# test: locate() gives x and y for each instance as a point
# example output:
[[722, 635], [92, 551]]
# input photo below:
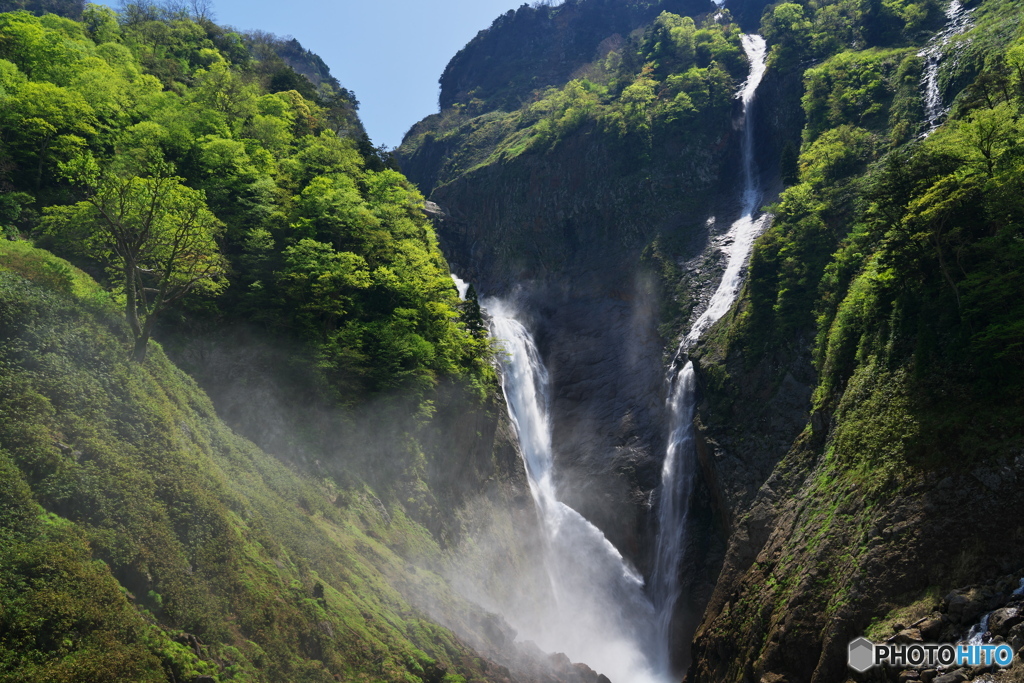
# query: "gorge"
[[779, 534], [600, 611], [684, 342]]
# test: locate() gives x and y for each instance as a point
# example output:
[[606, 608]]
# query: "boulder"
[[931, 628], [1016, 637], [906, 636], [1002, 620], [965, 605], [975, 671]]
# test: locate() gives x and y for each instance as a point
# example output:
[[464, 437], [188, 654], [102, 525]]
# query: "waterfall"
[[599, 613], [748, 226], [958, 20], [679, 467], [590, 603], [460, 285]]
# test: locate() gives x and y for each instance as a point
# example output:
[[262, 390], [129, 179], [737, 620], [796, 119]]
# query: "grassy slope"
[[132, 515]]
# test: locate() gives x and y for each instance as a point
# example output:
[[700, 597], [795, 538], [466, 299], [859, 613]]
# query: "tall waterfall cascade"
[[958, 20], [600, 611], [680, 464]]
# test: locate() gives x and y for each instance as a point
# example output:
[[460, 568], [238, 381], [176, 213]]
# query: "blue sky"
[[389, 52]]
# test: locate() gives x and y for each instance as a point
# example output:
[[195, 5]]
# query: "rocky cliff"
[[586, 234], [859, 445]]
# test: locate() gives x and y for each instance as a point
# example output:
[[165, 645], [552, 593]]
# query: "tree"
[[44, 123], [472, 315], [157, 234]]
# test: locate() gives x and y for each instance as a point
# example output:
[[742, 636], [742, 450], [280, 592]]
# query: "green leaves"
[[190, 168], [323, 279], [984, 137], [854, 88], [157, 234]]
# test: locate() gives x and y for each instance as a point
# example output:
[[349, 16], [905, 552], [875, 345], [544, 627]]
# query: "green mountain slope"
[[206, 187], [307, 231], [887, 276], [143, 540]]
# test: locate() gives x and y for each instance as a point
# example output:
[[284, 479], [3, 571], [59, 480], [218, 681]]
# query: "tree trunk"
[[146, 331], [131, 306], [141, 344]]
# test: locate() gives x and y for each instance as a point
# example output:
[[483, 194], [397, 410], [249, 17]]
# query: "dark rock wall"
[[564, 233], [534, 47]]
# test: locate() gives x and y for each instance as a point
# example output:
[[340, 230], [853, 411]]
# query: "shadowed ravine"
[[600, 612]]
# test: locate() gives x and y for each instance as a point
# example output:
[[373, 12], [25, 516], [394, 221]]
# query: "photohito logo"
[[863, 654]]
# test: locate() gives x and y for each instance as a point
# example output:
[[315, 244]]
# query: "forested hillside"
[[299, 224], [210, 185], [142, 540]]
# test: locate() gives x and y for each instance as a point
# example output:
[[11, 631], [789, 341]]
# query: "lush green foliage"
[[800, 33], [904, 254], [674, 76], [322, 242], [142, 540], [157, 234]]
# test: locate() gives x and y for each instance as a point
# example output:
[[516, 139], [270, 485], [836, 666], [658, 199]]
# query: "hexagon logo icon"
[[862, 655]]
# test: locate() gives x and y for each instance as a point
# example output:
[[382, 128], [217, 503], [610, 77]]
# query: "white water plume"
[[599, 613], [460, 285], [679, 467]]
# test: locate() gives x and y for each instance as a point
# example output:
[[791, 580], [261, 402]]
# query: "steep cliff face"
[[532, 48], [585, 223], [852, 422], [859, 429]]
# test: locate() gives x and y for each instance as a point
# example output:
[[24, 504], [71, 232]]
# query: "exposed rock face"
[[528, 48], [813, 555], [569, 232], [564, 233], [749, 420]]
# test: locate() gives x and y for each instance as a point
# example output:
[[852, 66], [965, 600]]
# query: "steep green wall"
[[880, 297]]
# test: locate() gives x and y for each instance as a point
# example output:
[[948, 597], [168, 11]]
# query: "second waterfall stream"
[[680, 464], [599, 611]]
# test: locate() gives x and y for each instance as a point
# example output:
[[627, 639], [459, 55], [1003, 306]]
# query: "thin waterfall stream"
[[600, 611], [680, 464], [958, 20]]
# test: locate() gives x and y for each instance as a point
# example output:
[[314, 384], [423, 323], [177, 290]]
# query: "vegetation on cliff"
[[670, 74], [205, 180], [142, 540], [895, 255], [897, 249]]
